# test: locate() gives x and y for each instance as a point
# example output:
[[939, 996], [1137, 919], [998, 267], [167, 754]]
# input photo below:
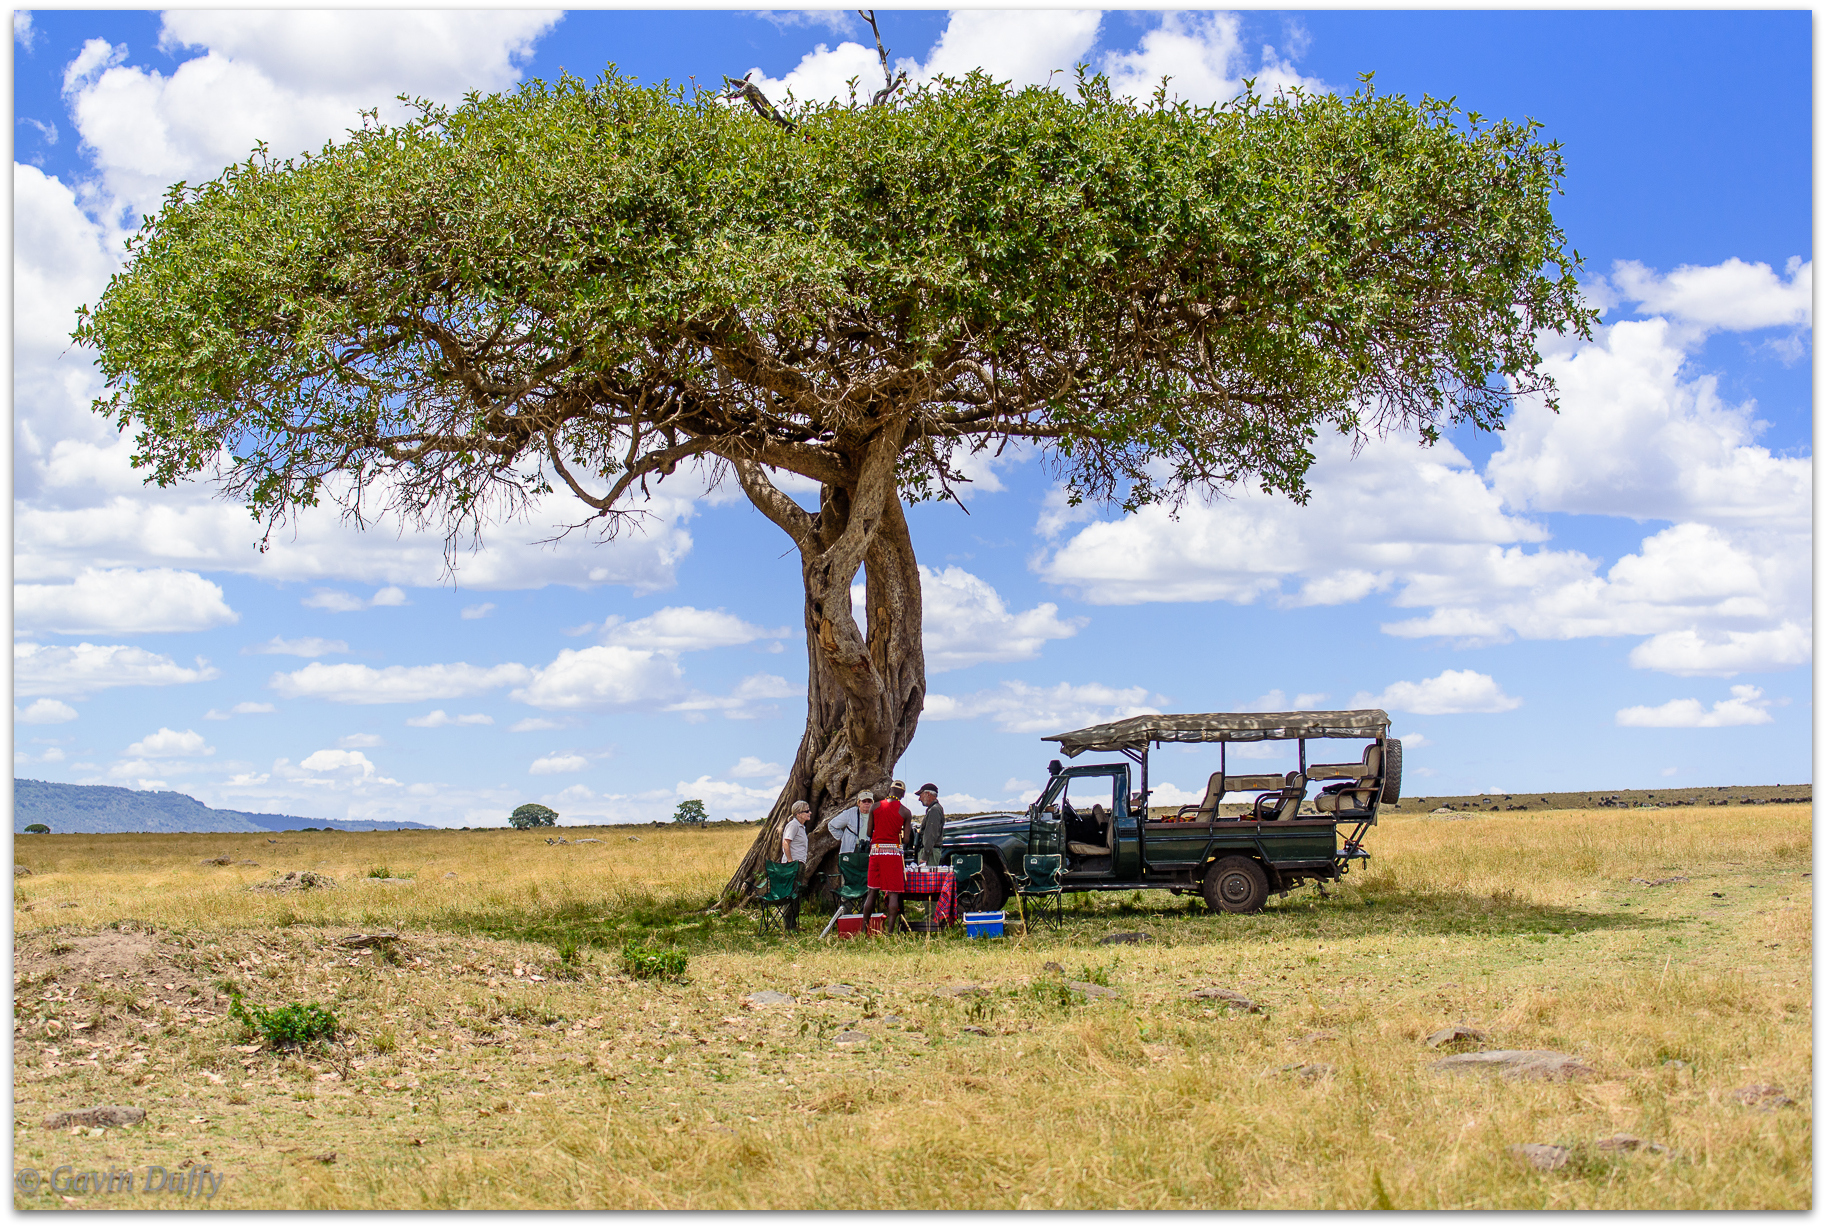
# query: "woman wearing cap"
[[887, 862]]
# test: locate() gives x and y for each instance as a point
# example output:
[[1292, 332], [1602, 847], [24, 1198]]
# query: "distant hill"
[[106, 808]]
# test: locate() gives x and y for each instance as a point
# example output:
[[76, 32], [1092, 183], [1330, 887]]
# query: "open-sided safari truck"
[[1096, 815]]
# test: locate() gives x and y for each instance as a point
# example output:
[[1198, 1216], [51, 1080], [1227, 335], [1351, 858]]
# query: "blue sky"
[[1616, 597]]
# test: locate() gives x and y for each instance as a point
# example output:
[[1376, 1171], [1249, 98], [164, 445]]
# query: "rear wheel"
[[1236, 884], [1391, 772], [990, 892]]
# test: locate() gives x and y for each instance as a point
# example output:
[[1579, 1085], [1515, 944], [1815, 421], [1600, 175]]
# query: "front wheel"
[[1236, 884], [990, 894]]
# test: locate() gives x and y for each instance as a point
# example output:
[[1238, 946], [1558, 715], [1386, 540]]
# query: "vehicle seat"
[[1106, 833], [1285, 802], [1357, 793], [1205, 811]]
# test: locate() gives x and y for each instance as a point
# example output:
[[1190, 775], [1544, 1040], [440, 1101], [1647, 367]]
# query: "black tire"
[[1391, 771], [1236, 884], [990, 894]]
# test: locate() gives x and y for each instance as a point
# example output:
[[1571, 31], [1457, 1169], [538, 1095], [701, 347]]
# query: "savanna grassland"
[[496, 1056]]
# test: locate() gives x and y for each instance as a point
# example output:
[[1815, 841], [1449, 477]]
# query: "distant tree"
[[691, 811], [583, 287], [533, 815], [38, 829]]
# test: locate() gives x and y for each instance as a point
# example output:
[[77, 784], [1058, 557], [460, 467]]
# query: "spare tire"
[[1391, 771]]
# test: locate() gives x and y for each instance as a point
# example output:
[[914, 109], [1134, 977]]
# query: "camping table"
[[939, 882]]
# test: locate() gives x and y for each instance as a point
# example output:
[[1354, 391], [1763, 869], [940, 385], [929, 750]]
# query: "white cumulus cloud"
[[1745, 707], [303, 646], [1454, 691], [437, 719], [245, 708], [290, 77], [552, 765], [751, 768], [360, 741], [396, 684], [122, 601], [478, 611], [1736, 295], [966, 622], [43, 712], [677, 629], [350, 761], [603, 678], [170, 744], [1021, 707], [75, 671]]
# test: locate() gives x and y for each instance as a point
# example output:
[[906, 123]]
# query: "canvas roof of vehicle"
[[1137, 731]]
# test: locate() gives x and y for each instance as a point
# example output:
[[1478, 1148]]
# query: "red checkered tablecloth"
[[937, 881]]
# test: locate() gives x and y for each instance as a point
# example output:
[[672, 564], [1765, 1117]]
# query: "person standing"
[[847, 826], [795, 846], [932, 827], [887, 858]]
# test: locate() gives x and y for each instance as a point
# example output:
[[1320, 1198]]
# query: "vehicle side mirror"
[[1054, 768]]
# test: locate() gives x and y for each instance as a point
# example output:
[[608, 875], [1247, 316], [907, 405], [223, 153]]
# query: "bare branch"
[[742, 87], [894, 82]]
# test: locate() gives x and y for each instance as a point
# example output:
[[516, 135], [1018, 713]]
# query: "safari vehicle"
[[1096, 815]]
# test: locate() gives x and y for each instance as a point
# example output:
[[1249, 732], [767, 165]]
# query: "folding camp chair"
[[968, 869], [1040, 876], [853, 884], [781, 893]]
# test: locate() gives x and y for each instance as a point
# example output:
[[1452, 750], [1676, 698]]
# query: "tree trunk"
[[866, 689]]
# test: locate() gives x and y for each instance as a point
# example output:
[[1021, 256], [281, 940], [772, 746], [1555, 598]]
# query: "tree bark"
[[866, 687]]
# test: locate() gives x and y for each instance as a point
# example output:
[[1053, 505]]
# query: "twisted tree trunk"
[[867, 687]]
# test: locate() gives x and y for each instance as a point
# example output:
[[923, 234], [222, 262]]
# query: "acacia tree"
[[585, 286]]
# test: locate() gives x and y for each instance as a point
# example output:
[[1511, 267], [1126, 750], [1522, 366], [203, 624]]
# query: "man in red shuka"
[[889, 823]]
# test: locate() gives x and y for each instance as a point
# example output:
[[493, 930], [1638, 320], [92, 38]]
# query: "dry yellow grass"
[[468, 1086]]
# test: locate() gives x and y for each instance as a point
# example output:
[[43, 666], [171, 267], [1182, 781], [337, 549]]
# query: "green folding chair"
[[782, 891], [1040, 876], [968, 869], [852, 885]]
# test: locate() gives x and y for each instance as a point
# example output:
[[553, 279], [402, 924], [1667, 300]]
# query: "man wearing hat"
[[888, 824], [932, 829]]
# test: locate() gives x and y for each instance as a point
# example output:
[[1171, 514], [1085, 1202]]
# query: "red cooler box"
[[851, 926]]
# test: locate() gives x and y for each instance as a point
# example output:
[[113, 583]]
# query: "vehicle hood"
[[983, 824]]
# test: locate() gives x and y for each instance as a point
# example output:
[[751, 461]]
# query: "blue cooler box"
[[984, 924]]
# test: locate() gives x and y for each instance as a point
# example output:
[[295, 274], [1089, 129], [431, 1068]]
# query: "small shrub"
[[652, 964], [380, 872], [296, 1025]]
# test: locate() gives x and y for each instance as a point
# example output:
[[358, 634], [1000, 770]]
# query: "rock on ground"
[[1544, 1156], [1110, 940], [1228, 997], [21, 872], [1761, 1095], [851, 1040], [1516, 1064], [298, 880], [1090, 990], [766, 997], [957, 991], [1451, 1035], [1310, 1072], [100, 1115]]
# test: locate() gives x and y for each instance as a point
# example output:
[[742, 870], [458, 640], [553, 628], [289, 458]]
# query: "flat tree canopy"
[[584, 286]]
